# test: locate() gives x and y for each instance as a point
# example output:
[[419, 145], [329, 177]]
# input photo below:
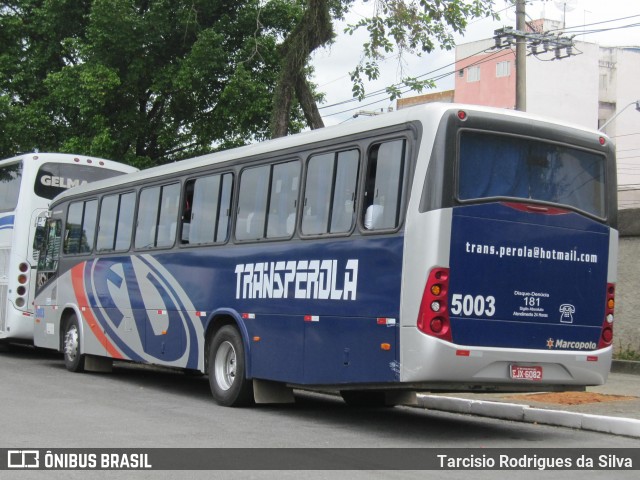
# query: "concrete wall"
[[627, 312], [566, 89]]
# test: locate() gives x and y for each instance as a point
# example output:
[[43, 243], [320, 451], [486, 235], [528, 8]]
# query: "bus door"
[[37, 231], [48, 259]]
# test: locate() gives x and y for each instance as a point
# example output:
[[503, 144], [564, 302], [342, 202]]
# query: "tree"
[[146, 82], [408, 26], [153, 81]]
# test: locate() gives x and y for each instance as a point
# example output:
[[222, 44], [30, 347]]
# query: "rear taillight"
[[606, 337], [23, 281], [433, 318]]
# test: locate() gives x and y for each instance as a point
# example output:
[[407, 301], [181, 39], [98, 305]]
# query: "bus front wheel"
[[73, 359], [227, 370]]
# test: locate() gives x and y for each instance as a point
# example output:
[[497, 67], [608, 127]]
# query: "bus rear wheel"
[[227, 369], [73, 359]]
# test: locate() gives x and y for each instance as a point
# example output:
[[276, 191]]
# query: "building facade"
[[590, 86]]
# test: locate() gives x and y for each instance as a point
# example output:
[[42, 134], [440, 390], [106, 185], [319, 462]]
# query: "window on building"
[[604, 81], [503, 69], [473, 74]]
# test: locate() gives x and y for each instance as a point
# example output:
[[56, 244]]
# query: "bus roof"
[[424, 113], [71, 159]]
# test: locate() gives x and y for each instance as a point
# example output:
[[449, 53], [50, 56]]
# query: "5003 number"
[[473, 305]]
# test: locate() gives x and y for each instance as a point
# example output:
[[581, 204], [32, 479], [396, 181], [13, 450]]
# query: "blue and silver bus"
[[442, 247], [27, 184]]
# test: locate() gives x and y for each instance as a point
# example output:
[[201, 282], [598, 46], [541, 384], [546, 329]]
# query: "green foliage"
[[145, 82], [411, 27], [153, 81]]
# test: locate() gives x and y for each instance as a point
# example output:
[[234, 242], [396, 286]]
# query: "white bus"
[[27, 184], [441, 247]]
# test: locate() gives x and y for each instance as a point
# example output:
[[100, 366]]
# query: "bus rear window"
[[54, 178], [10, 177], [500, 166]]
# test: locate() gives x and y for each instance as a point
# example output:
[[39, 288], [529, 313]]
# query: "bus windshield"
[[492, 165], [10, 178]]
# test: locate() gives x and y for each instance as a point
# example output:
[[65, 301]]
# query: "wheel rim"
[[71, 343], [225, 365]]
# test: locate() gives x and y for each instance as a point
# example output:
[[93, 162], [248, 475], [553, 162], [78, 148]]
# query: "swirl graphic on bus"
[[144, 311]]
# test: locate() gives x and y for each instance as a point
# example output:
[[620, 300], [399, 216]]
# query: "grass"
[[627, 353]]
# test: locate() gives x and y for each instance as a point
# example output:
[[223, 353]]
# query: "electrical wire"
[[401, 85], [493, 56]]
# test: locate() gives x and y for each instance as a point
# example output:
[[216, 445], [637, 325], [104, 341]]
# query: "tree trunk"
[[313, 31], [308, 103]]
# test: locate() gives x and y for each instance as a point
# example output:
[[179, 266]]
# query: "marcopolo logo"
[[561, 344]]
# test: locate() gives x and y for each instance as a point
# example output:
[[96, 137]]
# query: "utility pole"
[[521, 58], [539, 43]]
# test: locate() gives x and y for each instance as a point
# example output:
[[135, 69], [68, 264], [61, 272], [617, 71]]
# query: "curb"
[[522, 413]]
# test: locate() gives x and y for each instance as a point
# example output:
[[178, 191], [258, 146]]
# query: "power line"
[[401, 85], [491, 57], [592, 24], [626, 135]]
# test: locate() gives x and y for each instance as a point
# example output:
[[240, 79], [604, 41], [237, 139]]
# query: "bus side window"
[[383, 186], [267, 203], [107, 223], [206, 209], [158, 216], [346, 180], [80, 227], [147, 217], [168, 219], [317, 194], [89, 226], [281, 221], [330, 190], [124, 227], [116, 222], [254, 189], [73, 228]]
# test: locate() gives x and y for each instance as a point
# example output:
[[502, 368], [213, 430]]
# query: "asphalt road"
[[44, 406]]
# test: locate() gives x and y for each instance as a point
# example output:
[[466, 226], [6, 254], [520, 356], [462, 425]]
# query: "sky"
[[332, 64]]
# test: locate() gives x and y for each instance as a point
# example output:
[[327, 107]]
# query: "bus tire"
[[73, 359], [227, 369]]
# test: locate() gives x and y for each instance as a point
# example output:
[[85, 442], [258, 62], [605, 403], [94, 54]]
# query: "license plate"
[[519, 372]]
